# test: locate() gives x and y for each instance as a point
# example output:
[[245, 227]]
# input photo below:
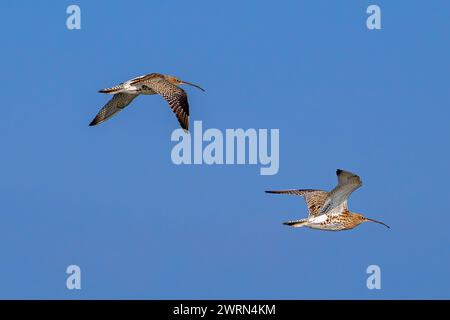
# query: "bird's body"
[[154, 83], [329, 210], [328, 222]]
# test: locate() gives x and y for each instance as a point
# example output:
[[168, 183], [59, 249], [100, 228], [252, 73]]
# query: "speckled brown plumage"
[[116, 104], [175, 97], [314, 198], [328, 210], [154, 83]]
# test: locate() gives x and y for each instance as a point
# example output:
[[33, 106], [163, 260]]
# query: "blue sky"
[[109, 198]]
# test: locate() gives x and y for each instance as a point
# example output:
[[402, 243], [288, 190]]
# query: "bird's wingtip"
[[184, 126]]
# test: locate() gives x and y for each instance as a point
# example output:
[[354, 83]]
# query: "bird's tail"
[[112, 90], [296, 223]]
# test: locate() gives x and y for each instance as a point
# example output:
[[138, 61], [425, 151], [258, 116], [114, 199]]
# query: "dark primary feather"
[[347, 183]]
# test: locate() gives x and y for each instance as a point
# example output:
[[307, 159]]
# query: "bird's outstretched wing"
[[314, 198], [175, 97], [337, 198], [117, 103]]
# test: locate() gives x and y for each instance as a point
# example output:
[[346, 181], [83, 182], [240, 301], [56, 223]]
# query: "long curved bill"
[[194, 85], [384, 224]]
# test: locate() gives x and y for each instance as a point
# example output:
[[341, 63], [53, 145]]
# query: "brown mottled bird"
[[328, 210], [154, 83]]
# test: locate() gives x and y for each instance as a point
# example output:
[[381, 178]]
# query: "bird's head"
[[177, 82], [359, 218]]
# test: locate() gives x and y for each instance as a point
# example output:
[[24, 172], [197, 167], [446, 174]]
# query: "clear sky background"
[[109, 198]]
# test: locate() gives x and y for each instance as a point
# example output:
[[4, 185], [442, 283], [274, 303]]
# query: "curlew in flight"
[[329, 210], [154, 83]]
